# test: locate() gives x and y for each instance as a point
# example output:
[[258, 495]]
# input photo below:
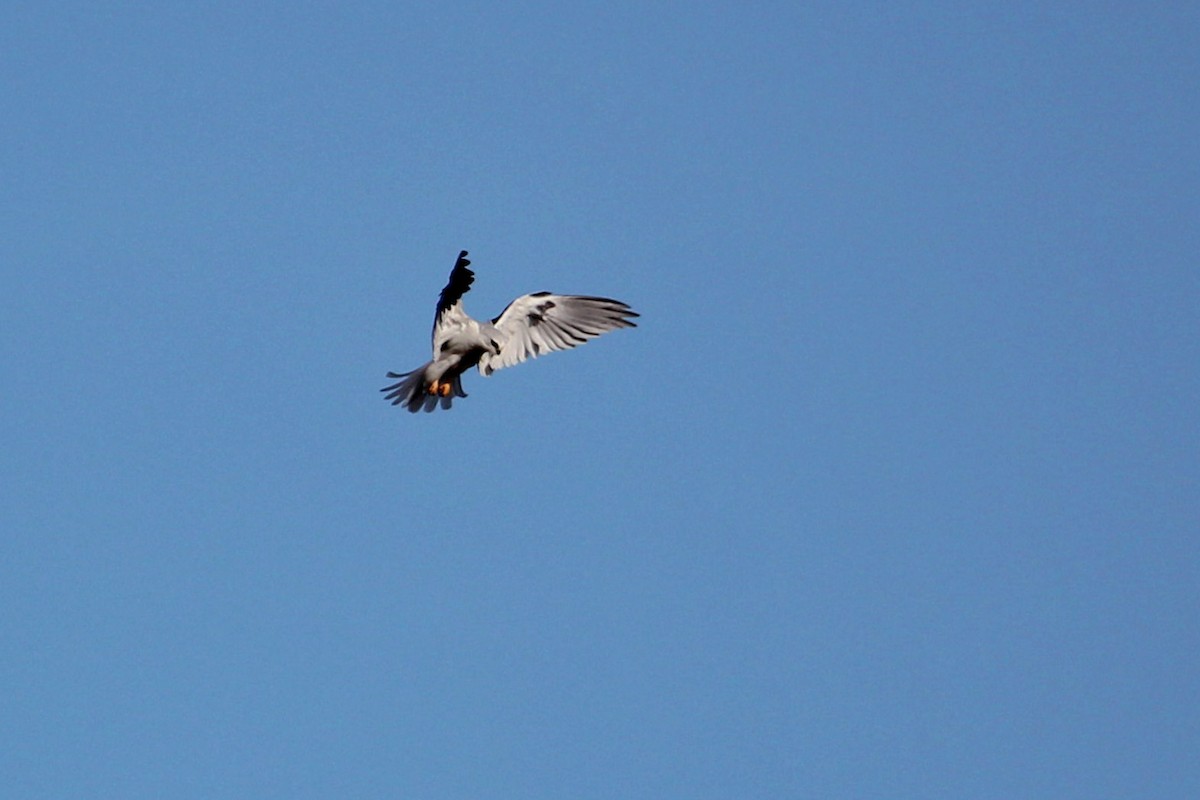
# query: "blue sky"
[[894, 492]]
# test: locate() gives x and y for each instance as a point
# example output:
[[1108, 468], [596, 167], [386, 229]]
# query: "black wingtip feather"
[[461, 278]]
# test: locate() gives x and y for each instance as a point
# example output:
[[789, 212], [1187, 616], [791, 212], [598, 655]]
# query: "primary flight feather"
[[532, 325]]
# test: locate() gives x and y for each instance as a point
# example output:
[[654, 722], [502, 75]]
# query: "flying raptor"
[[532, 325]]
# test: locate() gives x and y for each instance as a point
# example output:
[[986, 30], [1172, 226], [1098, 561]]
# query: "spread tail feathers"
[[413, 390]]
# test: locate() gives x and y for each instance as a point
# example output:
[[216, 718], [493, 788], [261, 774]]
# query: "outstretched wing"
[[536, 324], [450, 300]]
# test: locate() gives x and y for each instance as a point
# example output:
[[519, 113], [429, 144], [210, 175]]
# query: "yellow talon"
[[444, 389], [433, 388]]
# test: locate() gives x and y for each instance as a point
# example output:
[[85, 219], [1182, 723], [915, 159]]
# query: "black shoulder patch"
[[538, 315]]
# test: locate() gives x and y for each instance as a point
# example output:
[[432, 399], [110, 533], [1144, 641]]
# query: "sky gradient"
[[894, 492]]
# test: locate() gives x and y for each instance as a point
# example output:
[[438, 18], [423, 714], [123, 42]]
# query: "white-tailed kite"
[[532, 325]]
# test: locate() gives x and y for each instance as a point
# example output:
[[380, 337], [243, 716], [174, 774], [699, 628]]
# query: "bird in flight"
[[532, 325]]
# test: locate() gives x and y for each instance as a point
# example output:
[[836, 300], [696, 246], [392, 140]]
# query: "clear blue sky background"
[[895, 492]]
